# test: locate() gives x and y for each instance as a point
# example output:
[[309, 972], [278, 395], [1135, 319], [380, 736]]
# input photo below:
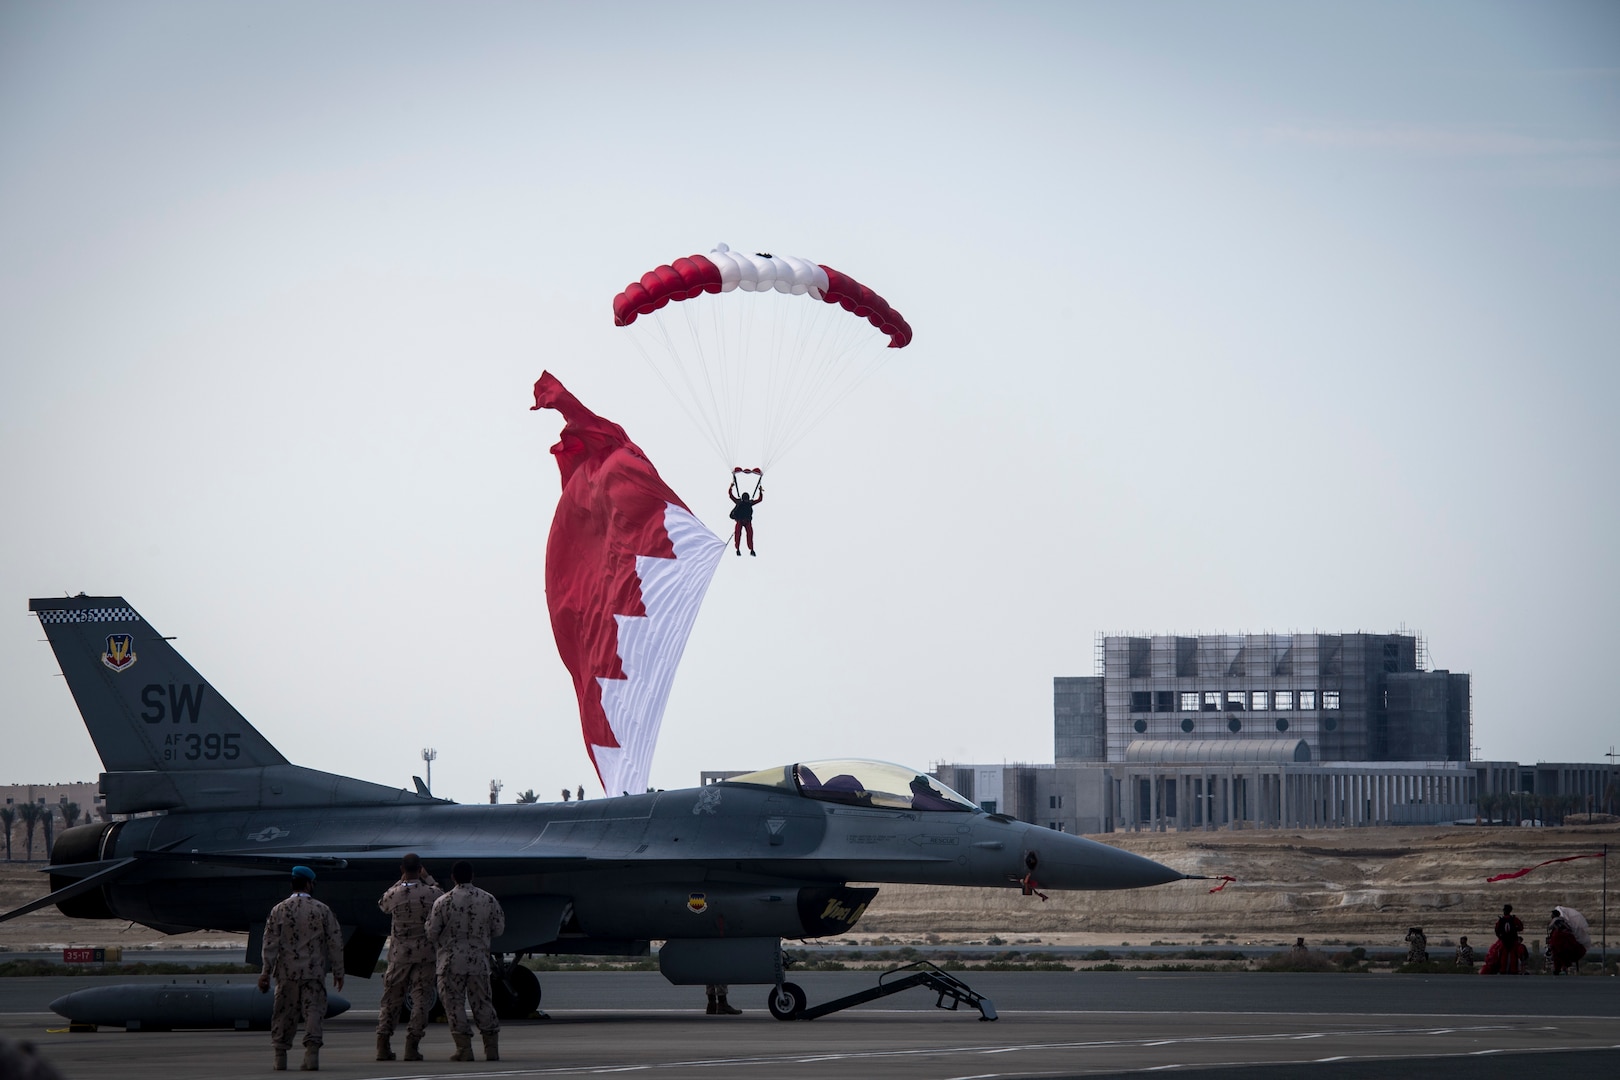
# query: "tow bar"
[[921, 973]]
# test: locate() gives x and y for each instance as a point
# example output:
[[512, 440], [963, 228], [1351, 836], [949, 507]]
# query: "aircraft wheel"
[[515, 991], [786, 1002]]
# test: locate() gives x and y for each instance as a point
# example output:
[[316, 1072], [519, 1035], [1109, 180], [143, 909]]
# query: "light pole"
[[428, 754], [1608, 783], [495, 791]]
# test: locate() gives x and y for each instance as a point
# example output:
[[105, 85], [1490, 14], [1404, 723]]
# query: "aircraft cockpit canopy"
[[860, 783]]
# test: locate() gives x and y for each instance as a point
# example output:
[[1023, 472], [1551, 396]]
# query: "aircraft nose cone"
[[1073, 862]]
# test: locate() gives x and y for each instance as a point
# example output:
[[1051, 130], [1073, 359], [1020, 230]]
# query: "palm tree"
[[528, 797], [29, 812], [8, 818], [70, 813]]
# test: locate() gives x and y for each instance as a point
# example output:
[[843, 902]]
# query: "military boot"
[[463, 1048], [492, 1049], [413, 1048], [312, 1059], [724, 1008], [710, 1010], [280, 1062], [384, 1051]]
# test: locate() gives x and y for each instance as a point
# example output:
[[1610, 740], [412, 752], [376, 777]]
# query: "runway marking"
[[873, 1055]]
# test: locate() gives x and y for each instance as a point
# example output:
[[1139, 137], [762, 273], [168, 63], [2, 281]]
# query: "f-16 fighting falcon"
[[720, 874]]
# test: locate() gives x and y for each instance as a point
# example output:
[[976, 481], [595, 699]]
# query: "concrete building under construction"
[[1233, 730], [1342, 697]]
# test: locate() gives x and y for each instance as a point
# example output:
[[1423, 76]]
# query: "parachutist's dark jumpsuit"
[[742, 512]]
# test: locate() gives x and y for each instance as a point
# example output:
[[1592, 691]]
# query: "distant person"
[[1298, 951], [1507, 954], [742, 512], [1564, 949], [1417, 946], [718, 1005], [461, 926], [579, 796], [1464, 957], [408, 902], [302, 942]]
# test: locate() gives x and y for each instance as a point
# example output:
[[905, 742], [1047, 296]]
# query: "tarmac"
[[1052, 1025]]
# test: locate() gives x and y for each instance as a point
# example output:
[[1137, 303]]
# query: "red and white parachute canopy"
[[763, 362], [627, 565]]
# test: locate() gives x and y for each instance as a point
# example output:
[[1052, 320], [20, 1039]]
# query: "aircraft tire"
[[515, 991], [786, 1002]]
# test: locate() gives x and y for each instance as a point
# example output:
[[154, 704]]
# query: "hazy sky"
[[1229, 317]]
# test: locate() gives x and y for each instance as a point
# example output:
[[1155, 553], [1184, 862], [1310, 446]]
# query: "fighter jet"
[[721, 874]]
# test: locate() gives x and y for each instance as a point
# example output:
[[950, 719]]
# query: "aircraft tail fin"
[[167, 738], [146, 708]]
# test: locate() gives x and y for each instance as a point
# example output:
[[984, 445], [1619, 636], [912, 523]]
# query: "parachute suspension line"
[[697, 421], [798, 370], [700, 357], [746, 320], [690, 403], [778, 381], [842, 353], [855, 343], [737, 375]]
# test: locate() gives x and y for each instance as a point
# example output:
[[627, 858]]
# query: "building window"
[[1282, 725], [1060, 826], [1307, 699], [1260, 701], [1164, 701], [1212, 701], [1285, 699], [1187, 726], [1054, 802], [1141, 701], [1237, 699], [1234, 725], [988, 806], [1330, 699], [1189, 702], [1140, 726]]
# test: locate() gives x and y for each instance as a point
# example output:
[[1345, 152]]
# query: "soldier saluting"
[[302, 942], [408, 901], [461, 925]]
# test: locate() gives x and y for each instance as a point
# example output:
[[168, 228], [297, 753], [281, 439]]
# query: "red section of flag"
[[1539, 865], [611, 512]]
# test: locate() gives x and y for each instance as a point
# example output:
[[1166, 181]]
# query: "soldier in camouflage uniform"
[[410, 957], [461, 925], [302, 942]]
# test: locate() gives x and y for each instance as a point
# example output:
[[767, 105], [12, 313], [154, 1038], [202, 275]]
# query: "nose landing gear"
[[786, 1001]]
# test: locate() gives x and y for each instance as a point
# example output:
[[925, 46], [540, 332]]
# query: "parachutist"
[[742, 512]]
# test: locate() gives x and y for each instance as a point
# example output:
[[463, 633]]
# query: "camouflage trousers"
[[298, 999], [474, 990], [400, 980]]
